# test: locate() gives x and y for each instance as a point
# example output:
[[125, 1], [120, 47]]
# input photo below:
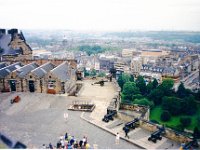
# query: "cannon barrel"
[[132, 122]]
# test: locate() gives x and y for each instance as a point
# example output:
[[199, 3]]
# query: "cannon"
[[100, 82], [191, 145], [156, 135], [15, 100], [131, 125], [109, 116]]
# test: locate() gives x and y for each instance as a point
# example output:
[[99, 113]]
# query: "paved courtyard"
[[38, 118]]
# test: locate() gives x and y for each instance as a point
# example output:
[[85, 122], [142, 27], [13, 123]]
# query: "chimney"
[[2, 31]]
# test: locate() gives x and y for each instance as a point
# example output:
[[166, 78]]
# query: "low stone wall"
[[169, 133]]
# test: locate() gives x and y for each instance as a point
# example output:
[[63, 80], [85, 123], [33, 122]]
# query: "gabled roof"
[[62, 72], [23, 71], [4, 44], [2, 65], [42, 70], [8, 69]]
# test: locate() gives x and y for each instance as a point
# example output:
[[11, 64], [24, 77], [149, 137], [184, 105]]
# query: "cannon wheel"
[[154, 140]]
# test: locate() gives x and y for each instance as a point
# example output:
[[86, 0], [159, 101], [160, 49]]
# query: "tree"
[[165, 116], [131, 78], [120, 81], [129, 89], [93, 72], [137, 96], [149, 87], [156, 95], [155, 83], [86, 73], [123, 79], [143, 101], [140, 83], [182, 92], [167, 86], [172, 104], [101, 74], [189, 106], [185, 121], [196, 133]]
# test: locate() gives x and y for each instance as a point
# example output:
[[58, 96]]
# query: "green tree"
[[131, 78], [172, 104], [137, 96], [167, 86], [189, 106], [182, 92], [196, 133], [122, 79], [101, 74], [129, 89], [156, 95], [140, 83], [143, 101], [93, 72], [165, 116], [149, 87], [185, 121], [155, 83], [86, 73]]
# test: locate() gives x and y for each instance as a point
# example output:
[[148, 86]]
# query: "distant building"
[[128, 52], [136, 66]]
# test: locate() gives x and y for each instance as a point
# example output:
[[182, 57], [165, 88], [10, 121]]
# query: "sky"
[[101, 15]]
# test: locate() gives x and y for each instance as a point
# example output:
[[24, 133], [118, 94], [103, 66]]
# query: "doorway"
[[31, 86], [13, 85]]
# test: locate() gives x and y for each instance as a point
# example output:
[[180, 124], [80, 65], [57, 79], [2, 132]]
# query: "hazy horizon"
[[101, 15]]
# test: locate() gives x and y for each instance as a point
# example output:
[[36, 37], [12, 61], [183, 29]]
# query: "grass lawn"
[[174, 121]]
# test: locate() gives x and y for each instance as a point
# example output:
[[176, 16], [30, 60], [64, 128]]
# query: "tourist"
[[62, 144], [66, 116], [50, 146], [66, 136], [126, 130], [72, 140], [44, 146], [117, 138], [81, 143]]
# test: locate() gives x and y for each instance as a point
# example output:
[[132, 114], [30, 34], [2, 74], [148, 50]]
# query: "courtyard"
[[38, 118]]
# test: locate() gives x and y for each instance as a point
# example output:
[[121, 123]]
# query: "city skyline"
[[110, 15]]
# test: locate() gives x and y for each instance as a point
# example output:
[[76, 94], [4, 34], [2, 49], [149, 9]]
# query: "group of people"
[[69, 142]]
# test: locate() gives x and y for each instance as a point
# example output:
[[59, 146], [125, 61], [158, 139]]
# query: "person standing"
[[117, 138], [66, 116], [126, 130]]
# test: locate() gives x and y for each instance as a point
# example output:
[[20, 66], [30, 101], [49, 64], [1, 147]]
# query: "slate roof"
[[62, 72], [8, 69], [23, 71], [2, 65], [4, 44], [42, 70]]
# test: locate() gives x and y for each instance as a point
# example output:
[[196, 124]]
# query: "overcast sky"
[[101, 14]]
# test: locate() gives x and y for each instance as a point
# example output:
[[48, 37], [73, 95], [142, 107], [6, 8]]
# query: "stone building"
[[5, 76], [13, 46], [136, 66], [60, 79], [19, 80], [37, 75], [14, 51]]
